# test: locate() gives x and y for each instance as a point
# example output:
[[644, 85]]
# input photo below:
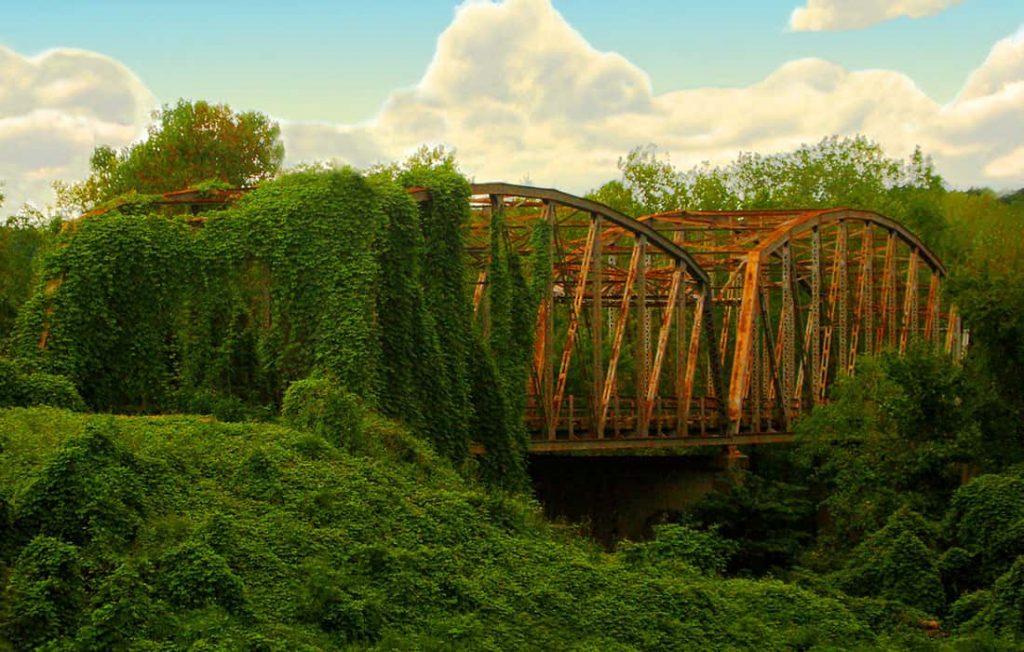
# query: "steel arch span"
[[624, 330], [800, 294]]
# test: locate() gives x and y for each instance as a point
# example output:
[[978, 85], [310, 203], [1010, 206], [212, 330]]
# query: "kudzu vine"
[[328, 273]]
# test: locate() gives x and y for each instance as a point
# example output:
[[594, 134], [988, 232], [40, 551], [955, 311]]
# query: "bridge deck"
[[637, 444]]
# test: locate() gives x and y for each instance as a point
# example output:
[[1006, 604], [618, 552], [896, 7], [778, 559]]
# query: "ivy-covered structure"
[[154, 304]]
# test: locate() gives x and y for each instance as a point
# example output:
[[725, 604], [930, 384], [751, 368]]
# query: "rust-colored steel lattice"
[[624, 339], [799, 294]]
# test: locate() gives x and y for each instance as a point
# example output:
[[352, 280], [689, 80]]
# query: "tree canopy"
[[188, 143], [854, 172]]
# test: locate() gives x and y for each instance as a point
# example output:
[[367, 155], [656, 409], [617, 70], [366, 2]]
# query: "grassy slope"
[[259, 536]]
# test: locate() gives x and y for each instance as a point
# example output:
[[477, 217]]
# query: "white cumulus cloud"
[[1010, 166], [518, 93], [835, 15], [1003, 67], [552, 108], [54, 109]]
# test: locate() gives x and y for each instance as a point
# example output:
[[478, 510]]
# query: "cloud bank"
[[54, 109], [518, 93], [836, 15], [552, 108]]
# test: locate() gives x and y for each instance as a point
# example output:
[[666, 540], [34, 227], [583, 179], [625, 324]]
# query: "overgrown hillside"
[[187, 533], [329, 273]]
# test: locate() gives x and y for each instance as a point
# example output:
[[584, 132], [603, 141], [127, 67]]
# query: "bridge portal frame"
[[630, 306]]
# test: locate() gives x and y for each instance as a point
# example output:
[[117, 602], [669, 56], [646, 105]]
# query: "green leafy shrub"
[[1002, 608], [986, 518], [968, 607], [193, 575], [324, 407], [52, 390], [959, 570], [896, 564], [681, 543], [21, 389], [45, 595], [1006, 611], [122, 612], [770, 520], [92, 490], [895, 434], [328, 602]]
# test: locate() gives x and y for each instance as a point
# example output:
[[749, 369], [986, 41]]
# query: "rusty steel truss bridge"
[[696, 328]]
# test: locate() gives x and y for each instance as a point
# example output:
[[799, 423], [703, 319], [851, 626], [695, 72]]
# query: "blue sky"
[[551, 90], [338, 61]]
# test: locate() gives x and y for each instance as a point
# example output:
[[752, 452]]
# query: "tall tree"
[[188, 143]]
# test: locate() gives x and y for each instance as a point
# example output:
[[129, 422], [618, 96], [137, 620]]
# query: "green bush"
[[328, 602], [91, 490], [52, 390], [680, 543], [45, 595], [959, 569], [122, 612], [770, 520], [21, 389], [1005, 611], [323, 407], [193, 575], [895, 563], [968, 607], [986, 518]]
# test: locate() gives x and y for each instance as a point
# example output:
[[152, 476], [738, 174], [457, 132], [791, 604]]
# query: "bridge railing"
[[576, 419]]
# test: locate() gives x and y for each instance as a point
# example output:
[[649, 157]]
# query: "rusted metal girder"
[[798, 328], [609, 272]]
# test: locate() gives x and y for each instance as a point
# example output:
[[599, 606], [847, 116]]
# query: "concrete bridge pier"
[[623, 496]]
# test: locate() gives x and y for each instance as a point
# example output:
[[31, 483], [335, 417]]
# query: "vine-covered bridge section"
[[694, 328]]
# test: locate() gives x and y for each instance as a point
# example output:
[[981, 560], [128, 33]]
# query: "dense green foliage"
[[895, 434], [323, 407], [188, 143], [21, 243], [251, 535], [21, 388], [116, 283], [316, 273]]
